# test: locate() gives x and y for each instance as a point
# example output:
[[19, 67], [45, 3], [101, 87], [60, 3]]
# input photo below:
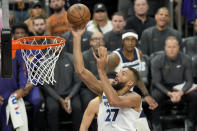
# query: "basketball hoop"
[[40, 54]]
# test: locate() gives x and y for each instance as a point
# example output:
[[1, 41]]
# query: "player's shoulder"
[[94, 103], [114, 56], [134, 95], [149, 30], [157, 55]]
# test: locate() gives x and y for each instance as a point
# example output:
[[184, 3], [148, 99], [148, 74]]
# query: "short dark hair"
[[119, 13], [39, 17], [136, 74], [171, 38], [21, 26], [162, 8], [135, 1]]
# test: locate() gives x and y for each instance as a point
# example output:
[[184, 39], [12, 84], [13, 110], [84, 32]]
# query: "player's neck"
[[123, 91], [128, 54]]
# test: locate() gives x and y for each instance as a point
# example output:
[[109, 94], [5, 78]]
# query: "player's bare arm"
[[128, 100], [1, 100], [86, 76], [90, 113], [113, 62]]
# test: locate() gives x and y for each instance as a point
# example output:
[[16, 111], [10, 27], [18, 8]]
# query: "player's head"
[[39, 25], [171, 47], [126, 78], [129, 40], [96, 41], [162, 17], [57, 5], [118, 22], [19, 30]]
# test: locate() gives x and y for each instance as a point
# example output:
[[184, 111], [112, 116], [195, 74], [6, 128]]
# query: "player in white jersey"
[[117, 92], [124, 62], [116, 118], [130, 56]]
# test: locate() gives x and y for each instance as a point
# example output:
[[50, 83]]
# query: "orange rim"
[[19, 44]]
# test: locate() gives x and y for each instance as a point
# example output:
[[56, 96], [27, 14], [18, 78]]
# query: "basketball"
[[78, 15]]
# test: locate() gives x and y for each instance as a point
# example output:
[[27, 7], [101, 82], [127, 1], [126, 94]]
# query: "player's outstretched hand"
[[102, 58], [77, 32]]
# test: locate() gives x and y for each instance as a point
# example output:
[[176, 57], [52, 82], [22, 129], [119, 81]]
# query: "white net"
[[40, 63]]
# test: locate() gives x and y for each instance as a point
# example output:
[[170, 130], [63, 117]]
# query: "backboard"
[[6, 43]]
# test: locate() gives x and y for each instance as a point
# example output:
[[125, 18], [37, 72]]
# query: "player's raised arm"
[[86, 76]]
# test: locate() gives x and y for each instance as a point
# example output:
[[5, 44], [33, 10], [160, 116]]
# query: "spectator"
[[100, 20], [35, 11], [20, 11], [57, 23], [153, 38], [124, 6], [63, 92], [69, 41], [189, 9], [17, 84], [189, 44], [39, 26], [140, 21], [168, 69], [113, 39], [189, 48]]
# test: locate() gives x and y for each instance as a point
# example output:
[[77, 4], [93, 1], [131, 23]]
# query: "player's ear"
[[130, 83]]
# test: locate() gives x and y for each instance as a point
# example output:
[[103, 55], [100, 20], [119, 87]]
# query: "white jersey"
[[124, 62], [116, 118]]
